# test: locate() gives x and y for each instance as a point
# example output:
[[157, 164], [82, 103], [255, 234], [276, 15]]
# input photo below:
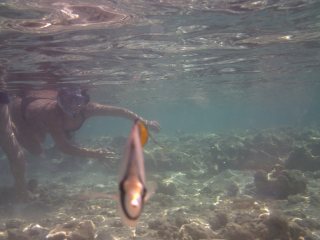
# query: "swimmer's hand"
[[153, 125]]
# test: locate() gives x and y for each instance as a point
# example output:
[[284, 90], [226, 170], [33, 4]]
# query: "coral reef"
[[243, 185]]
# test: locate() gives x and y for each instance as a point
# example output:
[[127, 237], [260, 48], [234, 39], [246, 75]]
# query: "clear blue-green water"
[[197, 67], [194, 65]]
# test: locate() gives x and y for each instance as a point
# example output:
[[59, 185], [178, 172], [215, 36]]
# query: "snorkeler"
[[60, 113], [11, 146]]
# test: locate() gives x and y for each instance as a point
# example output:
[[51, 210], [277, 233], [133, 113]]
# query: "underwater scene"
[[160, 119]]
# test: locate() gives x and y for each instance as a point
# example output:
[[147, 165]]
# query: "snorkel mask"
[[71, 100]]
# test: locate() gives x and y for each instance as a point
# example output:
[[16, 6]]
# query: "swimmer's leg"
[[12, 149]]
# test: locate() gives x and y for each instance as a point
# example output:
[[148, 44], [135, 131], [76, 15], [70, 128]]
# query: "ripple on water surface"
[[60, 17]]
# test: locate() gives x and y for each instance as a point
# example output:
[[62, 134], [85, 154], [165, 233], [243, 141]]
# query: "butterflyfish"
[[132, 183]]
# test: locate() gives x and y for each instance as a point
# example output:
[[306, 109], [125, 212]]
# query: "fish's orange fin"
[[143, 132]]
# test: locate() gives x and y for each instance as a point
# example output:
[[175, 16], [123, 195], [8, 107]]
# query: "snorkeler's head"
[[72, 99]]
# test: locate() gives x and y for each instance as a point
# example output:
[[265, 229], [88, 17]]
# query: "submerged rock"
[[35, 231], [194, 231], [74, 230], [104, 235], [302, 159], [235, 231], [14, 223], [218, 220], [232, 189], [164, 229], [281, 185], [31, 232], [17, 234], [278, 227], [181, 219]]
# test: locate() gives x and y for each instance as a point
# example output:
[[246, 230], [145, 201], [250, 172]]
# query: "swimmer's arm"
[[67, 147], [96, 109]]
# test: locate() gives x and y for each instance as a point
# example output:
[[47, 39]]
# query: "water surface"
[[215, 64]]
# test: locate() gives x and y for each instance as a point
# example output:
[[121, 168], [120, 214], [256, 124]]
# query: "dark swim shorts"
[[4, 98]]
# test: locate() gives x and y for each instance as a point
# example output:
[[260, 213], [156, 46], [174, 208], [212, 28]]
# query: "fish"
[[133, 192]]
